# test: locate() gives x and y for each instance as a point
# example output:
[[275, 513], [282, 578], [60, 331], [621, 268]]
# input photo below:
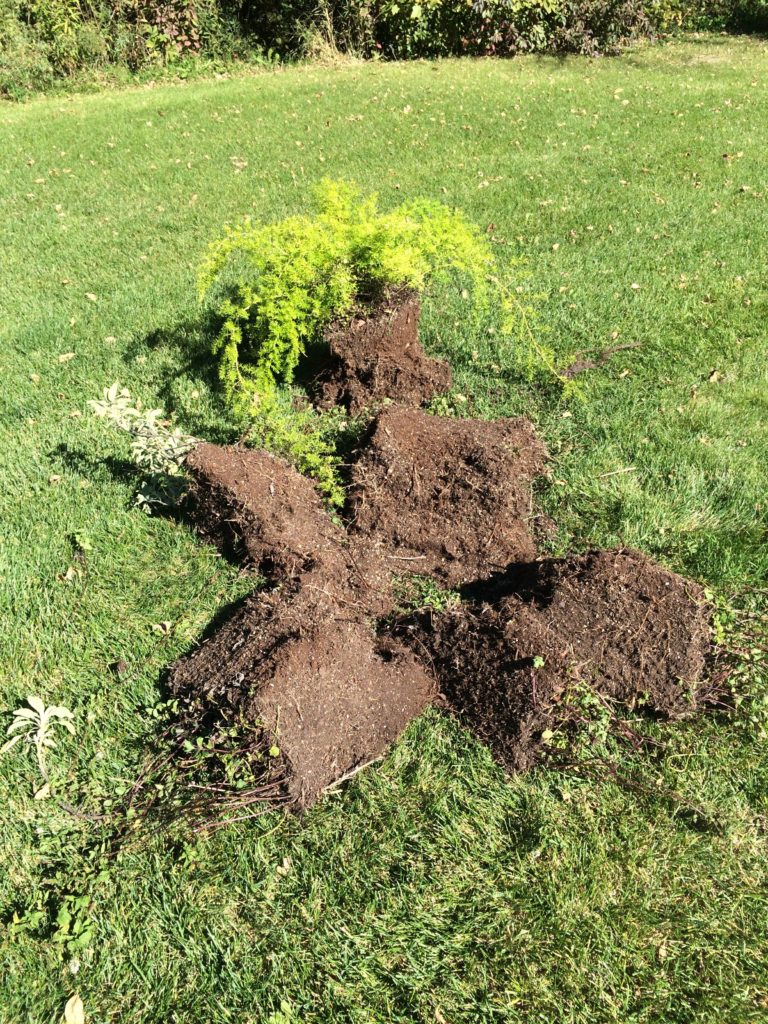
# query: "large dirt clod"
[[262, 511], [259, 509], [300, 664], [302, 667], [378, 357], [506, 662], [446, 497]]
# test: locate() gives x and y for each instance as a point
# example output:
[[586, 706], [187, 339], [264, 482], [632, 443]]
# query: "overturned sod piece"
[[299, 665], [446, 497], [509, 660], [262, 512], [259, 510], [379, 356], [303, 669]]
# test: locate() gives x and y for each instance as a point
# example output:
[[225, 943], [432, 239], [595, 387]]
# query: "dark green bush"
[[710, 15], [594, 27], [41, 40], [24, 63], [403, 29]]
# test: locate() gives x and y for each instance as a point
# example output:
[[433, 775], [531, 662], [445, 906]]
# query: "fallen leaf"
[[66, 356], [91, 297], [74, 1011]]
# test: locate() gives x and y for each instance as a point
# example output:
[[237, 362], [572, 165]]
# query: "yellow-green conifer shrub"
[[277, 285]]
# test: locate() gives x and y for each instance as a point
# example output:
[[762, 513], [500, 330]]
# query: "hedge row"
[[41, 40], [401, 29]]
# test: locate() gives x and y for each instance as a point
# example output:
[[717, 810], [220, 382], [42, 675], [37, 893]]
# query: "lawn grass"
[[432, 888]]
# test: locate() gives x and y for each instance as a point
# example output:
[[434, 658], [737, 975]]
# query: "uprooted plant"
[[301, 435], [276, 286], [156, 446]]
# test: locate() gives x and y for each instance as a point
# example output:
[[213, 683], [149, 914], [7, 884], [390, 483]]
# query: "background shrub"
[[404, 29], [710, 15], [42, 40]]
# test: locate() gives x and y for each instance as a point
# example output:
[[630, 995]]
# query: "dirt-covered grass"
[[431, 888]]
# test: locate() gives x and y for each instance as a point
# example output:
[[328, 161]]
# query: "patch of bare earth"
[[446, 497], [379, 356], [302, 664], [508, 660]]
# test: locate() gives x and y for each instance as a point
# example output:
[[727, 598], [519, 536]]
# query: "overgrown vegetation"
[[276, 286], [404, 29], [43, 41], [281, 283]]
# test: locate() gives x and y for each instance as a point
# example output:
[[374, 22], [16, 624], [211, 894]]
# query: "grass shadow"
[[78, 461], [182, 359]]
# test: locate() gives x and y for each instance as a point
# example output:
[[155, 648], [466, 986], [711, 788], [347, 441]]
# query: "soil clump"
[[263, 513], [446, 497], [304, 669], [509, 660], [300, 663], [379, 356]]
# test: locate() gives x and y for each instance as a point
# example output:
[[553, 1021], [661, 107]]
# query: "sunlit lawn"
[[432, 888]]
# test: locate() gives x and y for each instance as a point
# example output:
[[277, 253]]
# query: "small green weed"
[[414, 593]]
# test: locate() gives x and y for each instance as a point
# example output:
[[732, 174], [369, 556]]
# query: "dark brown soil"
[[307, 670], [446, 497], [261, 511], [301, 664], [633, 632], [378, 357]]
